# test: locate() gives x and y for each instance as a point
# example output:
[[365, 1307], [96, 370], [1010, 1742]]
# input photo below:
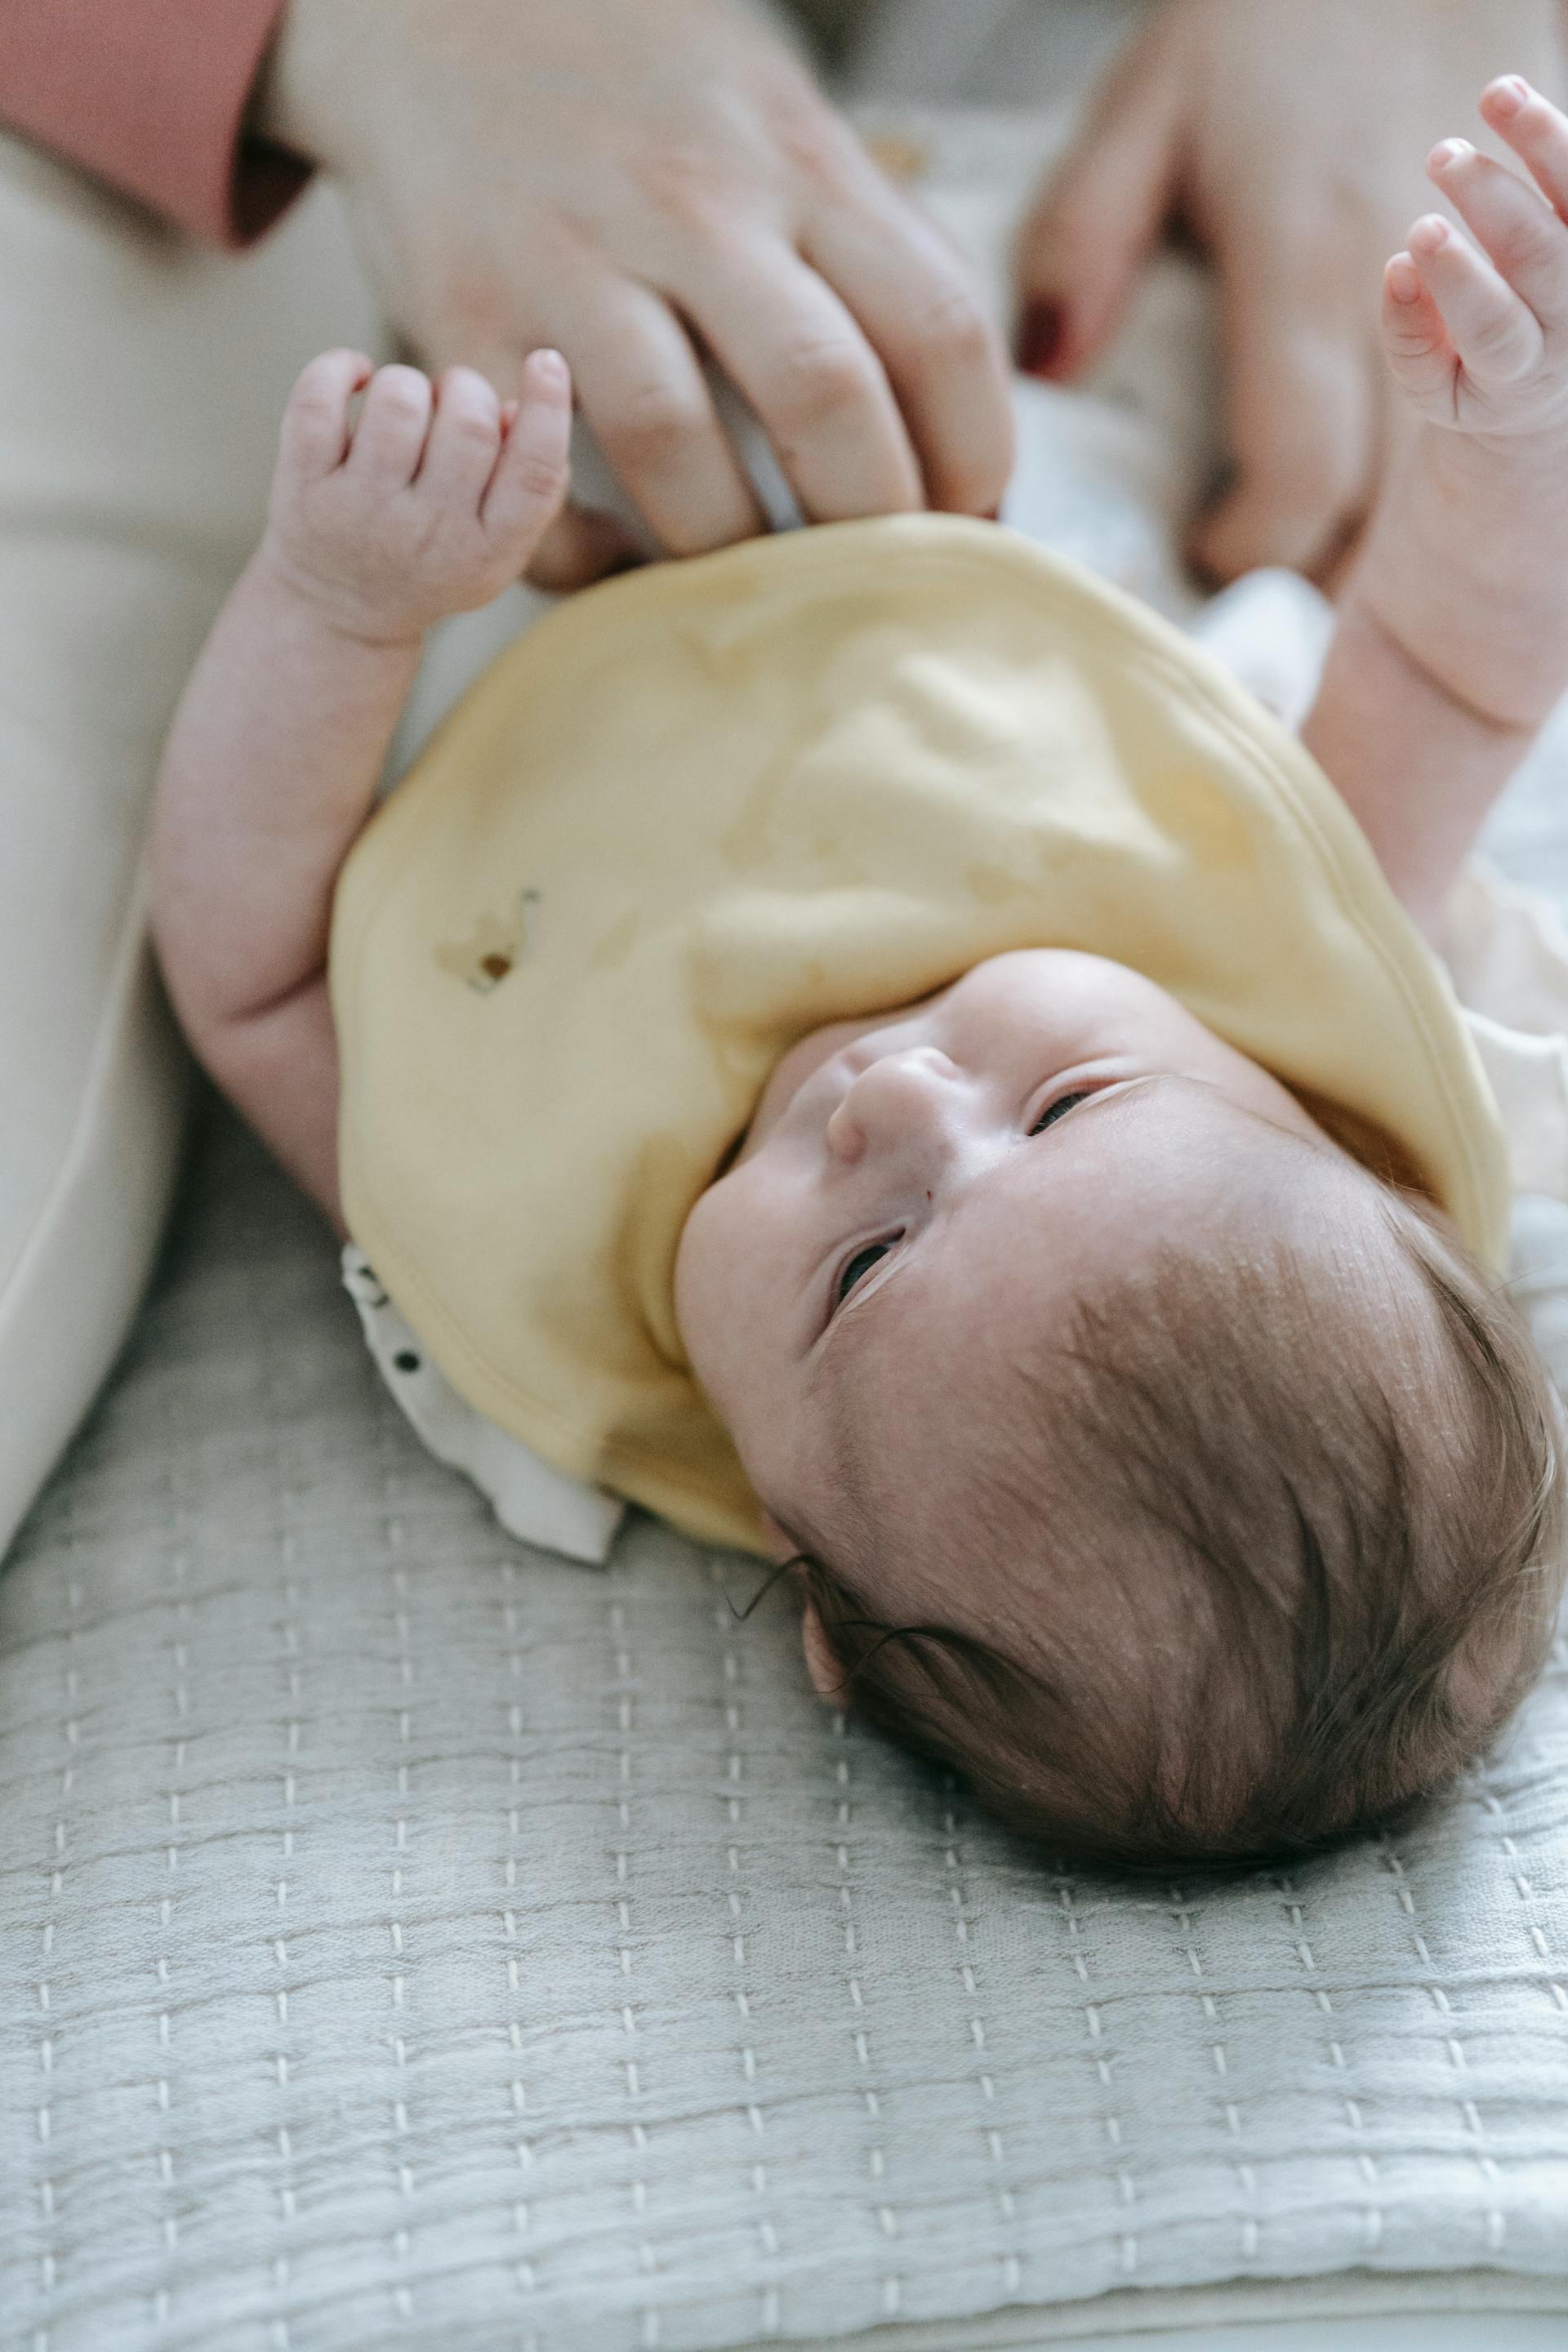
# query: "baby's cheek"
[[691, 1276], [709, 1269]]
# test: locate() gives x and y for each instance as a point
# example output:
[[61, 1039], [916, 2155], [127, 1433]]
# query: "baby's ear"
[[821, 1659], [822, 1663]]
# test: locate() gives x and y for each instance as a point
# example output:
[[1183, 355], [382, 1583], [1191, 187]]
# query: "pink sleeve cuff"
[[151, 95]]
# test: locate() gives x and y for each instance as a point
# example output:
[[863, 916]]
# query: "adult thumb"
[[1303, 396], [1098, 217]]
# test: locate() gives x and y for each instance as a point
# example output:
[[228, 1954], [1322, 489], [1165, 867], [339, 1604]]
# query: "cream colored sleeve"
[[139, 390]]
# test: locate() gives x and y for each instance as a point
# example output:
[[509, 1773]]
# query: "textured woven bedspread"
[[408, 1940]]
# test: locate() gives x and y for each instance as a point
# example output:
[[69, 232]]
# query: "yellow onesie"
[[706, 808]]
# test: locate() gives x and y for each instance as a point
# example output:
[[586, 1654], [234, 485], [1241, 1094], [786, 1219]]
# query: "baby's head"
[[1143, 1453]]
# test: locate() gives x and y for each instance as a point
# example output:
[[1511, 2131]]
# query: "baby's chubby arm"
[[431, 503], [1452, 646]]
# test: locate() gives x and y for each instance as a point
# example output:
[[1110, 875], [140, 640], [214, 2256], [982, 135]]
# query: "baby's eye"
[[859, 1265], [1058, 1109]]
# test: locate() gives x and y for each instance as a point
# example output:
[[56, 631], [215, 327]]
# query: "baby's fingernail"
[[1040, 334], [1403, 283], [1449, 151], [1431, 233], [549, 365], [1509, 94]]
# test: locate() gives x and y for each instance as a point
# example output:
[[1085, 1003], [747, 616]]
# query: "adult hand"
[[1291, 141], [641, 186]]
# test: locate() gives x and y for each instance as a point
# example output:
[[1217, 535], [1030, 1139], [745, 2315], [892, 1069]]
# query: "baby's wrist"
[[338, 610], [1462, 570]]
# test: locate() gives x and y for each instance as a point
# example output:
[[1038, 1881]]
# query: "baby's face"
[[913, 1184]]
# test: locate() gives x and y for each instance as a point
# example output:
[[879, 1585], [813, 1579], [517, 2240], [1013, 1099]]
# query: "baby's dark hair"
[[1307, 1549]]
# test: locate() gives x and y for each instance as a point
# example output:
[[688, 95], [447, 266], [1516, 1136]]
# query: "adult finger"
[[641, 389], [926, 320], [1101, 213], [582, 545], [822, 395], [1302, 391]]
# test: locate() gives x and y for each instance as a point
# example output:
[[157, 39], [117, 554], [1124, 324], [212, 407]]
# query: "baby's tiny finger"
[[1415, 340], [315, 431], [1535, 130], [529, 485], [1513, 225], [1496, 335], [390, 435], [464, 439]]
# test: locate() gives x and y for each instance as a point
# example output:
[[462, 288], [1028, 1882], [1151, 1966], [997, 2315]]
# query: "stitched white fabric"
[[530, 1496]]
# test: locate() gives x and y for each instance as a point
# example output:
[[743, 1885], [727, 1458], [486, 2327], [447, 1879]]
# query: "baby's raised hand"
[[1452, 644], [1478, 334], [430, 503]]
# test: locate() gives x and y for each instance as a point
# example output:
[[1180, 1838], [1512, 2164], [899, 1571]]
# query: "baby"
[[1144, 1436]]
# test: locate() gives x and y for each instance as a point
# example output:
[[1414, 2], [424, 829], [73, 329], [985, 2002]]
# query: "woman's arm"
[[431, 505]]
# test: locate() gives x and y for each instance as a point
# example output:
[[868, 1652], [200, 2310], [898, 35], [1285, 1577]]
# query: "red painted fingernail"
[[1041, 331], [992, 514]]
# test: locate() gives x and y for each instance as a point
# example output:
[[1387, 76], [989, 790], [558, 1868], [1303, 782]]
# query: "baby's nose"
[[899, 1101]]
